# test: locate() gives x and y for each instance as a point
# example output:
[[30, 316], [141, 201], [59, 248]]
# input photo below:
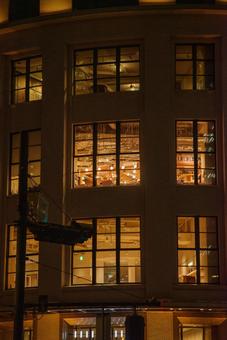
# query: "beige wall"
[[48, 327], [159, 326]]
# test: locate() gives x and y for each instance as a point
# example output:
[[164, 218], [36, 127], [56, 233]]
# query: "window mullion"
[[95, 63], [194, 71], [95, 142], [118, 150], [118, 49], [197, 246], [118, 235], [27, 80], [94, 250], [195, 151]]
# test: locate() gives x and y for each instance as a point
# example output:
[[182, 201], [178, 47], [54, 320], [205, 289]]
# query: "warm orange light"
[[4, 10], [147, 2], [53, 6]]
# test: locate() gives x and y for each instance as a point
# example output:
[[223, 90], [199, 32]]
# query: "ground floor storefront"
[[109, 324]]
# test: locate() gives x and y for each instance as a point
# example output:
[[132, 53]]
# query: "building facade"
[[123, 104]]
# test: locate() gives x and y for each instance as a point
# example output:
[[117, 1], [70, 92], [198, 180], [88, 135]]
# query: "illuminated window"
[[32, 258], [27, 79], [34, 161], [195, 66], [107, 70], [197, 250], [106, 154], [195, 152], [195, 332], [111, 256]]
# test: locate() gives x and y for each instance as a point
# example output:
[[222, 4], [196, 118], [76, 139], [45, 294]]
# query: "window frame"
[[117, 251], [37, 188], [8, 256], [198, 249], [95, 63], [27, 60], [194, 60], [95, 154], [196, 152]]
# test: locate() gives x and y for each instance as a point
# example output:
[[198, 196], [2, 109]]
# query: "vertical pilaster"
[[53, 160]]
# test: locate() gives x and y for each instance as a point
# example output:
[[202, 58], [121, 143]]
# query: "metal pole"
[[18, 332]]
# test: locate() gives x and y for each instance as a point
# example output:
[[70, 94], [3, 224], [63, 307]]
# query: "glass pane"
[[84, 57], [11, 264], [31, 279], [129, 53], [206, 176], [130, 258], [130, 274], [206, 136], [206, 161], [207, 224], [106, 71], [87, 245], [84, 87], [129, 169], [183, 51], [208, 258], [19, 67], [129, 69], [106, 55], [204, 82], [20, 82], [14, 171], [82, 276], [186, 240], [14, 187], [35, 79], [35, 93], [32, 246], [186, 224], [84, 72], [106, 138], [106, 233], [129, 137], [35, 64], [106, 85], [205, 51], [129, 83], [12, 233], [19, 96], [185, 176], [34, 153], [209, 275], [185, 168], [83, 168], [12, 247], [82, 259], [208, 241], [187, 266], [184, 130], [15, 157], [34, 169], [184, 68], [184, 83], [106, 170], [11, 281], [130, 233], [204, 68], [106, 267]]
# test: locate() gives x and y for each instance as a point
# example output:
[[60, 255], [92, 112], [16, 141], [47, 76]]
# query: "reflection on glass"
[[198, 167], [97, 258], [107, 70], [32, 259], [27, 80], [99, 144], [197, 250], [195, 67]]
